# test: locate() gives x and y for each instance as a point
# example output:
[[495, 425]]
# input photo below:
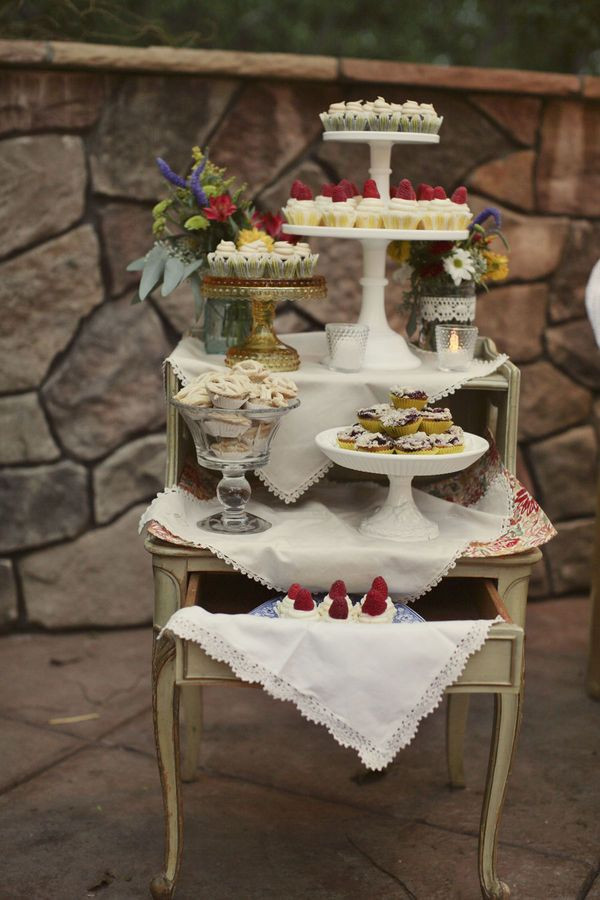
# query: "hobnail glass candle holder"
[[233, 441], [455, 346], [346, 344]]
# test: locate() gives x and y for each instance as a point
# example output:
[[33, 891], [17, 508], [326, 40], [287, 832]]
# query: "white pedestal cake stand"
[[386, 349], [399, 519]]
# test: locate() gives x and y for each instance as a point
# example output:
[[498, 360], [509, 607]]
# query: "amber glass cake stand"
[[264, 293]]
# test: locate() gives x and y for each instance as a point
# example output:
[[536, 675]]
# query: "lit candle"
[[453, 343]]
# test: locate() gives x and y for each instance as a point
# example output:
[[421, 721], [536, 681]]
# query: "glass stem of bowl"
[[233, 492]]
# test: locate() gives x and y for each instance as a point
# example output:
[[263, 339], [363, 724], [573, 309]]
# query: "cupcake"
[[399, 422], [306, 260], [403, 210], [403, 398], [436, 420], [370, 416], [226, 424], [219, 262], [374, 609], [451, 441], [355, 116], [334, 119], [346, 439], [338, 592], [255, 254], [324, 199], [351, 191], [303, 210], [379, 118], [461, 214], [228, 390], [283, 261], [371, 209], [411, 116], [341, 213], [418, 444], [304, 607], [438, 212], [430, 121], [370, 442], [229, 448], [252, 369]]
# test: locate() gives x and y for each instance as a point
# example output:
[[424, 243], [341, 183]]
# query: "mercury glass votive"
[[346, 344], [455, 346]]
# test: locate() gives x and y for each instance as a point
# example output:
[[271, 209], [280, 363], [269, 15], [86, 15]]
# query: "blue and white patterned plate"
[[404, 614]]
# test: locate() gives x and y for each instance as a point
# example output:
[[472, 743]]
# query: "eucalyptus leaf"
[[153, 270], [191, 267], [173, 275], [198, 298], [136, 265]]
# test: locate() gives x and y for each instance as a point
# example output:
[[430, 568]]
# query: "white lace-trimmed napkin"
[[316, 541], [327, 399], [397, 675]]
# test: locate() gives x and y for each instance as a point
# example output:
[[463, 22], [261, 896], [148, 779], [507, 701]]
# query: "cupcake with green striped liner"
[[220, 262], [411, 110], [335, 117], [307, 261], [356, 117], [430, 121], [380, 116], [254, 254], [283, 260]]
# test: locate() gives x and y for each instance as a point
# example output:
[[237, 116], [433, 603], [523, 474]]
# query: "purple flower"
[[487, 213], [196, 187], [169, 174]]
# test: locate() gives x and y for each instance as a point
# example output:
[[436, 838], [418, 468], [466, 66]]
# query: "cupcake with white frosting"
[[335, 117], [254, 255], [341, 213], [302, 209], [221, 261], [356, 117], [371, 209], [380, 116]]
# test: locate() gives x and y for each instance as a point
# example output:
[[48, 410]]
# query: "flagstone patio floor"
[[279, 810]]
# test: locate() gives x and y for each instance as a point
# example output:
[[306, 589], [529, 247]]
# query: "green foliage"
[[526, 34]]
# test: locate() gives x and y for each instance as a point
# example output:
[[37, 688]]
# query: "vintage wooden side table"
[[475, 588]]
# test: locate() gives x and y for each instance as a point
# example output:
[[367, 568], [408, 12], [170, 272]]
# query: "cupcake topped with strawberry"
[[304, 606], [376, 608], [340, 213], [301, 208], [337, 592], [370, 210]]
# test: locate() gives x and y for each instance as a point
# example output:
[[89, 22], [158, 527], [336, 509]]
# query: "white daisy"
[[459, 266]]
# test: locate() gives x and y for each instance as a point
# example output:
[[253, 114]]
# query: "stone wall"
[[81, 407]]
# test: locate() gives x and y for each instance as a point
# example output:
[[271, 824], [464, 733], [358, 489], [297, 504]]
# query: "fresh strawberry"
[[374, 603], [327, 190], [380, 584], [304, 600], [426, 193], [370, 189], [439, 193], [293, 590], [405, 190], [393, 191], [338, 589], [304, 193], [355, 191], [459, 195], [296, 186], [338, 194], [347, 186], [424, 187], [339, 608]]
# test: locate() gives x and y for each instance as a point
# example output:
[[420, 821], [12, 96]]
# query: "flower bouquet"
[[442, 276]]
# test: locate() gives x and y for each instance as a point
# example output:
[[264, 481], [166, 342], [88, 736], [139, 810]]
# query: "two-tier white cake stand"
[[386, 349], [399, 519]]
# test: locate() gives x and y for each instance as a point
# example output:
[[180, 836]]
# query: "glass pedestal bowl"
[[233, 441]]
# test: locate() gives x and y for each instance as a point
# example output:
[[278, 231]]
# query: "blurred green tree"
[[526, 34]]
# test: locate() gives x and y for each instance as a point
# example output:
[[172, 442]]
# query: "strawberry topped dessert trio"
[[374, 607], [342, 206]]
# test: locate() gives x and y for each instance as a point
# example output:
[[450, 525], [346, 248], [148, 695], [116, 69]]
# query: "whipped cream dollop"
[[253, 247], [302, 249], [284, 250], [226, 249]]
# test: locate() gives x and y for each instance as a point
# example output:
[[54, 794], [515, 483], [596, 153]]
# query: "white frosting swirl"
[[284, 250], [226, 249]]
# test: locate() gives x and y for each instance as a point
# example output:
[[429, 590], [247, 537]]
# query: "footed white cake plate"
[[399, 519]]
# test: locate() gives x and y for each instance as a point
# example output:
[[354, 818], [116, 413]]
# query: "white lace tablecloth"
[[327, 399], [369, 686], [316, 541]]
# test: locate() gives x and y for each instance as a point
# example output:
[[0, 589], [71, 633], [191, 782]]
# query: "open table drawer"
[[497, 666]]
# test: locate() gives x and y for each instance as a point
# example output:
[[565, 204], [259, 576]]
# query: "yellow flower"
[[497, 266], [399, 251], [249, 235]]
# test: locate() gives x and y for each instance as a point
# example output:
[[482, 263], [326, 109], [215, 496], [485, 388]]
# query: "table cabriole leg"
[[507, 720], [457, 712], [192, 702], [165, 703]]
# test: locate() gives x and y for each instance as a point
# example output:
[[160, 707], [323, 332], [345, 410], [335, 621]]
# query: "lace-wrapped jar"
[[446, 306]]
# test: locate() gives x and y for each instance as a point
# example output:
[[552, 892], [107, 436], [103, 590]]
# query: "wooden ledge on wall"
[[290, 66]]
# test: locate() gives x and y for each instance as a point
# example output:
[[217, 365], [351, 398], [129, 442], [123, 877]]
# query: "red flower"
[[272, 223], [440, 247], [220, 208], [431, 270]]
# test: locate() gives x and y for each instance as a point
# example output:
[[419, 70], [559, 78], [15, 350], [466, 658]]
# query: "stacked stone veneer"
[[81, 404]]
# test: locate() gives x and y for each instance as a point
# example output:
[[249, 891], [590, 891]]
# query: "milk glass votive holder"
[[455, 346], [347, 344]]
